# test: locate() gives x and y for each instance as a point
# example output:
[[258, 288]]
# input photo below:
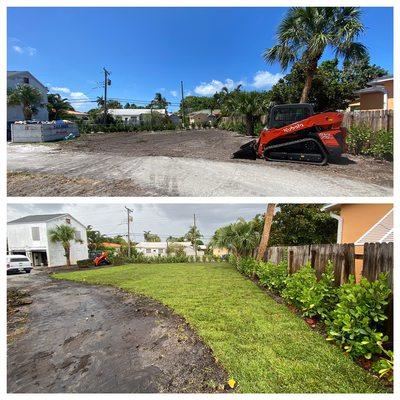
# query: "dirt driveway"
[[96, 339], [180, 163]]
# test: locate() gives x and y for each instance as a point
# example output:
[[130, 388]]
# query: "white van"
[[18, 263]]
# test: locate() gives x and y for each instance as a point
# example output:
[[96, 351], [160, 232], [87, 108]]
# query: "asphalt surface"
[[180, 175], [91, 339]]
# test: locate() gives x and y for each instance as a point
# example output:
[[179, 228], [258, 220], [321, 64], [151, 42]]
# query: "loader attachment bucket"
[[246, 151]]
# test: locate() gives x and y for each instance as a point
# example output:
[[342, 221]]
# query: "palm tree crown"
[[305, 33], [26, 96]]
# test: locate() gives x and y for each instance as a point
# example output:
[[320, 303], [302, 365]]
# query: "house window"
[[148, 250], [78, 235], [160, 251], [35, 233], [68, 220], [26, 80]]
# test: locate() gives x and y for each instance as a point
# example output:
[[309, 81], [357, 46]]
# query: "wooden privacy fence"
[[375, 119], [377, 258]]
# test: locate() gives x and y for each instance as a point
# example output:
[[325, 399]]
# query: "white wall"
[[15, 113], [79, 251], [19, 237]]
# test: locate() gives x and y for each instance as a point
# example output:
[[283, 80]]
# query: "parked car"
[[18, 263]]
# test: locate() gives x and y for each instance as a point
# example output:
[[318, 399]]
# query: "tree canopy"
[[26, 96]]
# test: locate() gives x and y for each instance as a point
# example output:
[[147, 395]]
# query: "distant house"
[[220, 251], [378, 95], [115, 246], [30, 236], [203, 116], [77, 114], [154, 249], [362, 223], [15, 78], [134, 116]]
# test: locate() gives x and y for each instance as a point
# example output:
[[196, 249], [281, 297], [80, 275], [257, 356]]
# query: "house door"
[[39, 259]]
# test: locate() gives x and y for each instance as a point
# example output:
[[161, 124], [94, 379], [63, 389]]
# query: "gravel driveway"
[[191, 163], [96, 339]]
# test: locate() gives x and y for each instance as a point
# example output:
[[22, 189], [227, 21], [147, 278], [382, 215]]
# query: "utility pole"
[[194, 235], [129, 211], [269, 215], [183, 105], [107, 82]]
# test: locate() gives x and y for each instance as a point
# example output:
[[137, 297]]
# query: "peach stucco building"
[[362, 223], [378, 95]]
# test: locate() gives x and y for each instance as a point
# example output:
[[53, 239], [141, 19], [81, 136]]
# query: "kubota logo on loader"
[[292, 128]]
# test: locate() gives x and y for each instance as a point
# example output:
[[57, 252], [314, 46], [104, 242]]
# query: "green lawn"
[[262, 345]]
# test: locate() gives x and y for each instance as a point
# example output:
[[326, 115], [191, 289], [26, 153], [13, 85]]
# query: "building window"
[[26, 80], [68, 220], [78, 235], [148, 250], [35, 233]]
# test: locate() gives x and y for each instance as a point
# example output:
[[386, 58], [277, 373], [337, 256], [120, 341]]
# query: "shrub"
[[382, 145], [384, 366], [246, 266], [312, 297], [85, 263], [273, 276], [358, 316], [361, 139]]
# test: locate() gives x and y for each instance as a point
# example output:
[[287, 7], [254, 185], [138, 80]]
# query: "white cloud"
[[263, 79], [174, 93], [80, 102], [60, 89], [208, 89], [31, 51], [18, 49]]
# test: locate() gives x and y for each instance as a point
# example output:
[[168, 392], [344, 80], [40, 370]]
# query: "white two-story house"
[[30, 236], [15, 78]]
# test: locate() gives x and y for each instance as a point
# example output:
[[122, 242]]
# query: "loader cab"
[[286, 114]]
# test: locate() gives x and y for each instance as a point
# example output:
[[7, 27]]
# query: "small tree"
[[58, 107], [64, 234], [151, 237], [26, 96]]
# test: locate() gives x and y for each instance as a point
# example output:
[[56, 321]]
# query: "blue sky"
[[151, 50]]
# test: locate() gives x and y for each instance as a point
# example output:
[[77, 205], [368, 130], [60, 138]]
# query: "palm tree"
[[193, 236], [241, 237], [58, 107], [251, 105], [159, 102], [26, 96], [64, 234], [305, 33]]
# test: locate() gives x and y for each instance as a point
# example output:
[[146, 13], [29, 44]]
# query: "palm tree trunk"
[[310, 72], [68, 256]]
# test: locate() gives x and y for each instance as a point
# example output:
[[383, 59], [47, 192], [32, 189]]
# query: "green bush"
[[246, 266], [273, 276], [312, 297], [356, 321], [361, 139], [384, 366], [85, 263]]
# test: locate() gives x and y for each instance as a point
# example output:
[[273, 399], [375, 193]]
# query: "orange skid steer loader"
[[296, 134]]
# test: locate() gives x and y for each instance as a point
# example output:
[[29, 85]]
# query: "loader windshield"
[[287, 114]]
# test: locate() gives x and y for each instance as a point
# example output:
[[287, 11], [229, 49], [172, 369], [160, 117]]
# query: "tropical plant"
[[151, 237], [385, 365], [251, 105], [193, 236], [26, 96], [241, 238], [357, 320], [64, 234], [95, 238], [273, 276], [159, 102], [58, 107], [305, 33]]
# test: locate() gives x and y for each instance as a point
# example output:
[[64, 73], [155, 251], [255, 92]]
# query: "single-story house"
[[30, 236], [77, 114], [134, 116], [362, 223], [15, 78], [202, 116], [152, 249], [378, 95]]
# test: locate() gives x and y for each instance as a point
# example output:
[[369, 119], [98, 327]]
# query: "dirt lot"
[[90, 339], [155, 164]]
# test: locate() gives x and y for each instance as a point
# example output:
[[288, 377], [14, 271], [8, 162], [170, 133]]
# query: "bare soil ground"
[[90, 339], [39, 184], [219, 145]]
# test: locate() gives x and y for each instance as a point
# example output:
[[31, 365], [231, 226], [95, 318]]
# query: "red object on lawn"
[[102, 259]]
